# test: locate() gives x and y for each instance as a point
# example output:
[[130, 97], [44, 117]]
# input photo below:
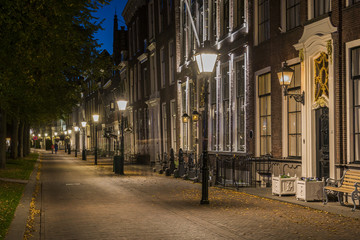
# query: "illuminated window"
[[355, 75], [294, 115], [264, 95], [263, 20], [292, 14]]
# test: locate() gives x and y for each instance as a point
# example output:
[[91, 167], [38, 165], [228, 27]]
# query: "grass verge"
[[10, 193], [19, 168]]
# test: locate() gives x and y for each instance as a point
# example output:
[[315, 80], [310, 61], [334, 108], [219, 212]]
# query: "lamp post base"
[[203, 202], [84, 155]]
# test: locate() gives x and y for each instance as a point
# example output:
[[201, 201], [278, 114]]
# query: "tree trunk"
[[2, 139], [14, 138], [26, 139], [21, 139]]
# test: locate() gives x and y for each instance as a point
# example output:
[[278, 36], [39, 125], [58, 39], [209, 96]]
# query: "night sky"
[[105, 37]]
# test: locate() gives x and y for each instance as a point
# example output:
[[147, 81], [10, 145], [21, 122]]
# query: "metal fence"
[[247, 171]]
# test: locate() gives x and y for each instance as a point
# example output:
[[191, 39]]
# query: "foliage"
[[47, 49]]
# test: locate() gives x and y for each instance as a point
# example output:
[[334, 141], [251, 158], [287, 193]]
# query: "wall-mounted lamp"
[[185, 118], [285, 75], [195, 116]]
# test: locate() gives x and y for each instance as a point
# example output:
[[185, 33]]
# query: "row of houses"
[[316, 134]]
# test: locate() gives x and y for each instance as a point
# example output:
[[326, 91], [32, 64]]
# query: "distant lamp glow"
[[96, 117], [76, 128], [39, 135], [65, 132], [185, 118], [69, 131], [195, 116], [206, 58], [83, 124], [55, 133], [121, 104], [46, 134]]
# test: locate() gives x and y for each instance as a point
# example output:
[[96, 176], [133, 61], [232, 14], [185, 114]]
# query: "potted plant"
[[309, 189], [283, 185]]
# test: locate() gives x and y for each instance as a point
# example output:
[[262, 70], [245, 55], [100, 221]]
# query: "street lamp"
[[205, 58], [83, 124], [76, 129], [65, 145], [69, 145], [96, 120], [119, 168], [285, 75]]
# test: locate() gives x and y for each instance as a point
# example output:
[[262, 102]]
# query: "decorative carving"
[[321, 67], [329, 49], [322, 101], [301, 55]]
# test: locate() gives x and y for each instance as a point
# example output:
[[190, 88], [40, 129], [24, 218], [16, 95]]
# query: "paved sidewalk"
[[82, 201]]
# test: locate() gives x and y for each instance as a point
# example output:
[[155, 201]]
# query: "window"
[[161, 15], [136, 83], [355, 75], [152, 74], [294, 115], [225, 18], [214, 20], [240, 13], [169, 8], [151, 20], [173, 124], [264, 83], [184, 108], [226, 107], [292, 14], [183, 35], [171, 63], [162, 66], [353, 1], [164, 128], [139, 84], [213, 114], [263, 20], [321, 7], [240, 101], [146, 82]]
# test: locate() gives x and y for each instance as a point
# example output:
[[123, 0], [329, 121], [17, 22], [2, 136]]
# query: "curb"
[[18, 224]]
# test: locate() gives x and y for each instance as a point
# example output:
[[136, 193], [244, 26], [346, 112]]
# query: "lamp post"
[[285, 75], [65, 144], [96, 120], [205, 58], [83, 124], [69, 145], [119, 162], [76, 129]]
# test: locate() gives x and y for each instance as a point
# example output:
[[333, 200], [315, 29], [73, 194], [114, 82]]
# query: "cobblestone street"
[[81, 201]]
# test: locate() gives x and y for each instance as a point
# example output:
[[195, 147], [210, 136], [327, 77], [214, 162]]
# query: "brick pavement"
[[83, 201]]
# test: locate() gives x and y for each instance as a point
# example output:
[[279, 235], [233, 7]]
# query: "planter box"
[[283, 186], [309, 190]]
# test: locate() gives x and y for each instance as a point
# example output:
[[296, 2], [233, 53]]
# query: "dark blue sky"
[[105, 37]]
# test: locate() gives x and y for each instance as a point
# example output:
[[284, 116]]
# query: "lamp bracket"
[[297, 97]]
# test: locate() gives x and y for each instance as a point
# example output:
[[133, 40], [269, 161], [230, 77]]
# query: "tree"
[[47, 45]]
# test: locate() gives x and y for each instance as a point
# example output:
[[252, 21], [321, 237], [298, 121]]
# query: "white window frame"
[[226, 66], [235, 102], [151, 20], [349, 100], [257, 108], [162, 66], [311, 9], [172, 67], [164, 128], [173, 123]]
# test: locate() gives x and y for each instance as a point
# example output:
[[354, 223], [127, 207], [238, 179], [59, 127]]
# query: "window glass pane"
[[357, 120], [357, 147], [268, 129], [298, 145], [355, 62], [357, 92], [263, 121], [292, 145], [268, 107], [292, 123]]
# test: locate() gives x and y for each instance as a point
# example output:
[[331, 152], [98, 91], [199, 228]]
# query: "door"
[[322, 142]]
